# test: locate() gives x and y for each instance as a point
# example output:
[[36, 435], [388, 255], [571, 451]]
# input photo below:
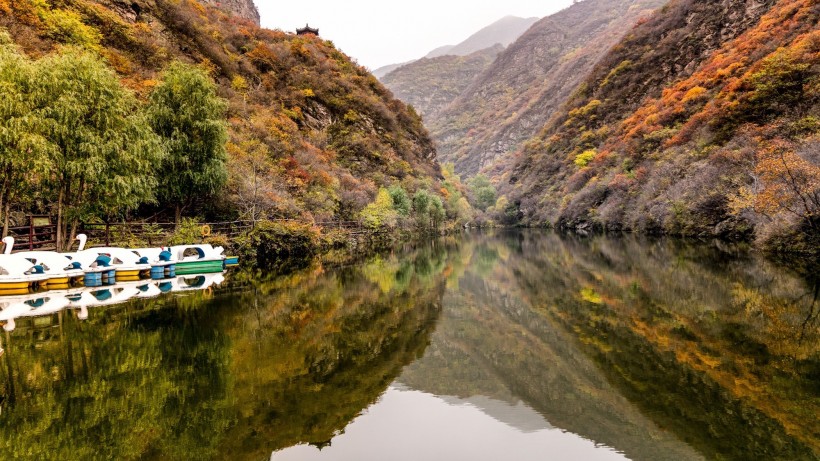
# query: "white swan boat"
[[96, 268], [162, 261], [18, 274], [127, 264], [61, 270]]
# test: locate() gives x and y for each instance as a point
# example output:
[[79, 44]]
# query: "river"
[[509, 345]]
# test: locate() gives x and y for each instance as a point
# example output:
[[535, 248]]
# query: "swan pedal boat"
[[198, 259], [127, 264], [162, 261], [18, 274], [61, 270]]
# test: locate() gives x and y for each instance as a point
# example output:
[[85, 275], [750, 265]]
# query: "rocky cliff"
[[702, 121], [242, 8], [429, 85], [513, 98]]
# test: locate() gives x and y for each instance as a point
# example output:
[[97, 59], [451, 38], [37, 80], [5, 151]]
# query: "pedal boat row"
[[25, 270]]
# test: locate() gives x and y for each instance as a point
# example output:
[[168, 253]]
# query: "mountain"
[[312, 134], [513, 98], [504, 31], [384, 70], [430, 84], [242, 8], [702, 121]]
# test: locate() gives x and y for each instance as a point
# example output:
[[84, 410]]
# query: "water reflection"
[[517, 345]]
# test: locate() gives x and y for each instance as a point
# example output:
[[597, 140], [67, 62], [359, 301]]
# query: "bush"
[[278, 245], [188, 232]]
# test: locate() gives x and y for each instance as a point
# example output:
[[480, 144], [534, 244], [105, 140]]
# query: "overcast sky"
[[378, 32]]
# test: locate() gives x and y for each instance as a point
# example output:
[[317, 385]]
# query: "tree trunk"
[[73, 234], [6, 208], [59, 237], [178, 215], [4, 212]]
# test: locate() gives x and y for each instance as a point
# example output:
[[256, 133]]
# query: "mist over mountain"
[[504, 31]]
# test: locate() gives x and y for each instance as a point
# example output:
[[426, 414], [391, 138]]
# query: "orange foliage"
[[790, 184], [725, 71]]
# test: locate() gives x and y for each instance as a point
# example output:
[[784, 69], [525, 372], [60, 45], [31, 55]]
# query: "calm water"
[[511, 346]]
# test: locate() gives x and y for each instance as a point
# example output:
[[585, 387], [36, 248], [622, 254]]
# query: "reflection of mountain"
[[551, 323], [489, 345], [658, 350], [519, 415], [716, 348]]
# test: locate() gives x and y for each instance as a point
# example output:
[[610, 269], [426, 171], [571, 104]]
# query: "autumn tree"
[[790, 184], [102, 149], [380, 213], [250, 173], [189, 116]]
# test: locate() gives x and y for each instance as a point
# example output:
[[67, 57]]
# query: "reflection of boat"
[[191, 282], [18, 273], [198, 259], [82, 298], [31, 305]]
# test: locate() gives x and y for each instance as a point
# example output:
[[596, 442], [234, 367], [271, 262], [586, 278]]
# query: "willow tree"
[[189, 116], [104, 152], [23, 156]]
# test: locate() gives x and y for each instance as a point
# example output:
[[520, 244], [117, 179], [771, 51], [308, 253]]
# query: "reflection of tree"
[[325, 350], [113, 388], [713, 339], [264, 366]]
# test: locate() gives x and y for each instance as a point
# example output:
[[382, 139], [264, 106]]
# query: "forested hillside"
[[430, 84], [310, 134], [702, 121], [513, 98]]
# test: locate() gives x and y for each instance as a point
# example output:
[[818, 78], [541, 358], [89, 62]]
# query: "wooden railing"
[[40, 234]]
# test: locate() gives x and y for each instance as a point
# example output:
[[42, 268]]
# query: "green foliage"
[[380, 213], [23, 149], [437, 213], [483, 192], [188, 231], [188, 115], [401, 201], [103, 152], [583, 159], [273, 245], [421, 203]]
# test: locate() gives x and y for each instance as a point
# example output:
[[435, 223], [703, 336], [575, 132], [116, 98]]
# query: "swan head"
[[9, 244], [82, 238]]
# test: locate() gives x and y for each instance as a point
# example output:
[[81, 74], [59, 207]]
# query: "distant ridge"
[[504, 31]]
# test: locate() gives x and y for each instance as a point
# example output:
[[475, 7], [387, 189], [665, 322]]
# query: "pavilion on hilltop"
[[307, 30]]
